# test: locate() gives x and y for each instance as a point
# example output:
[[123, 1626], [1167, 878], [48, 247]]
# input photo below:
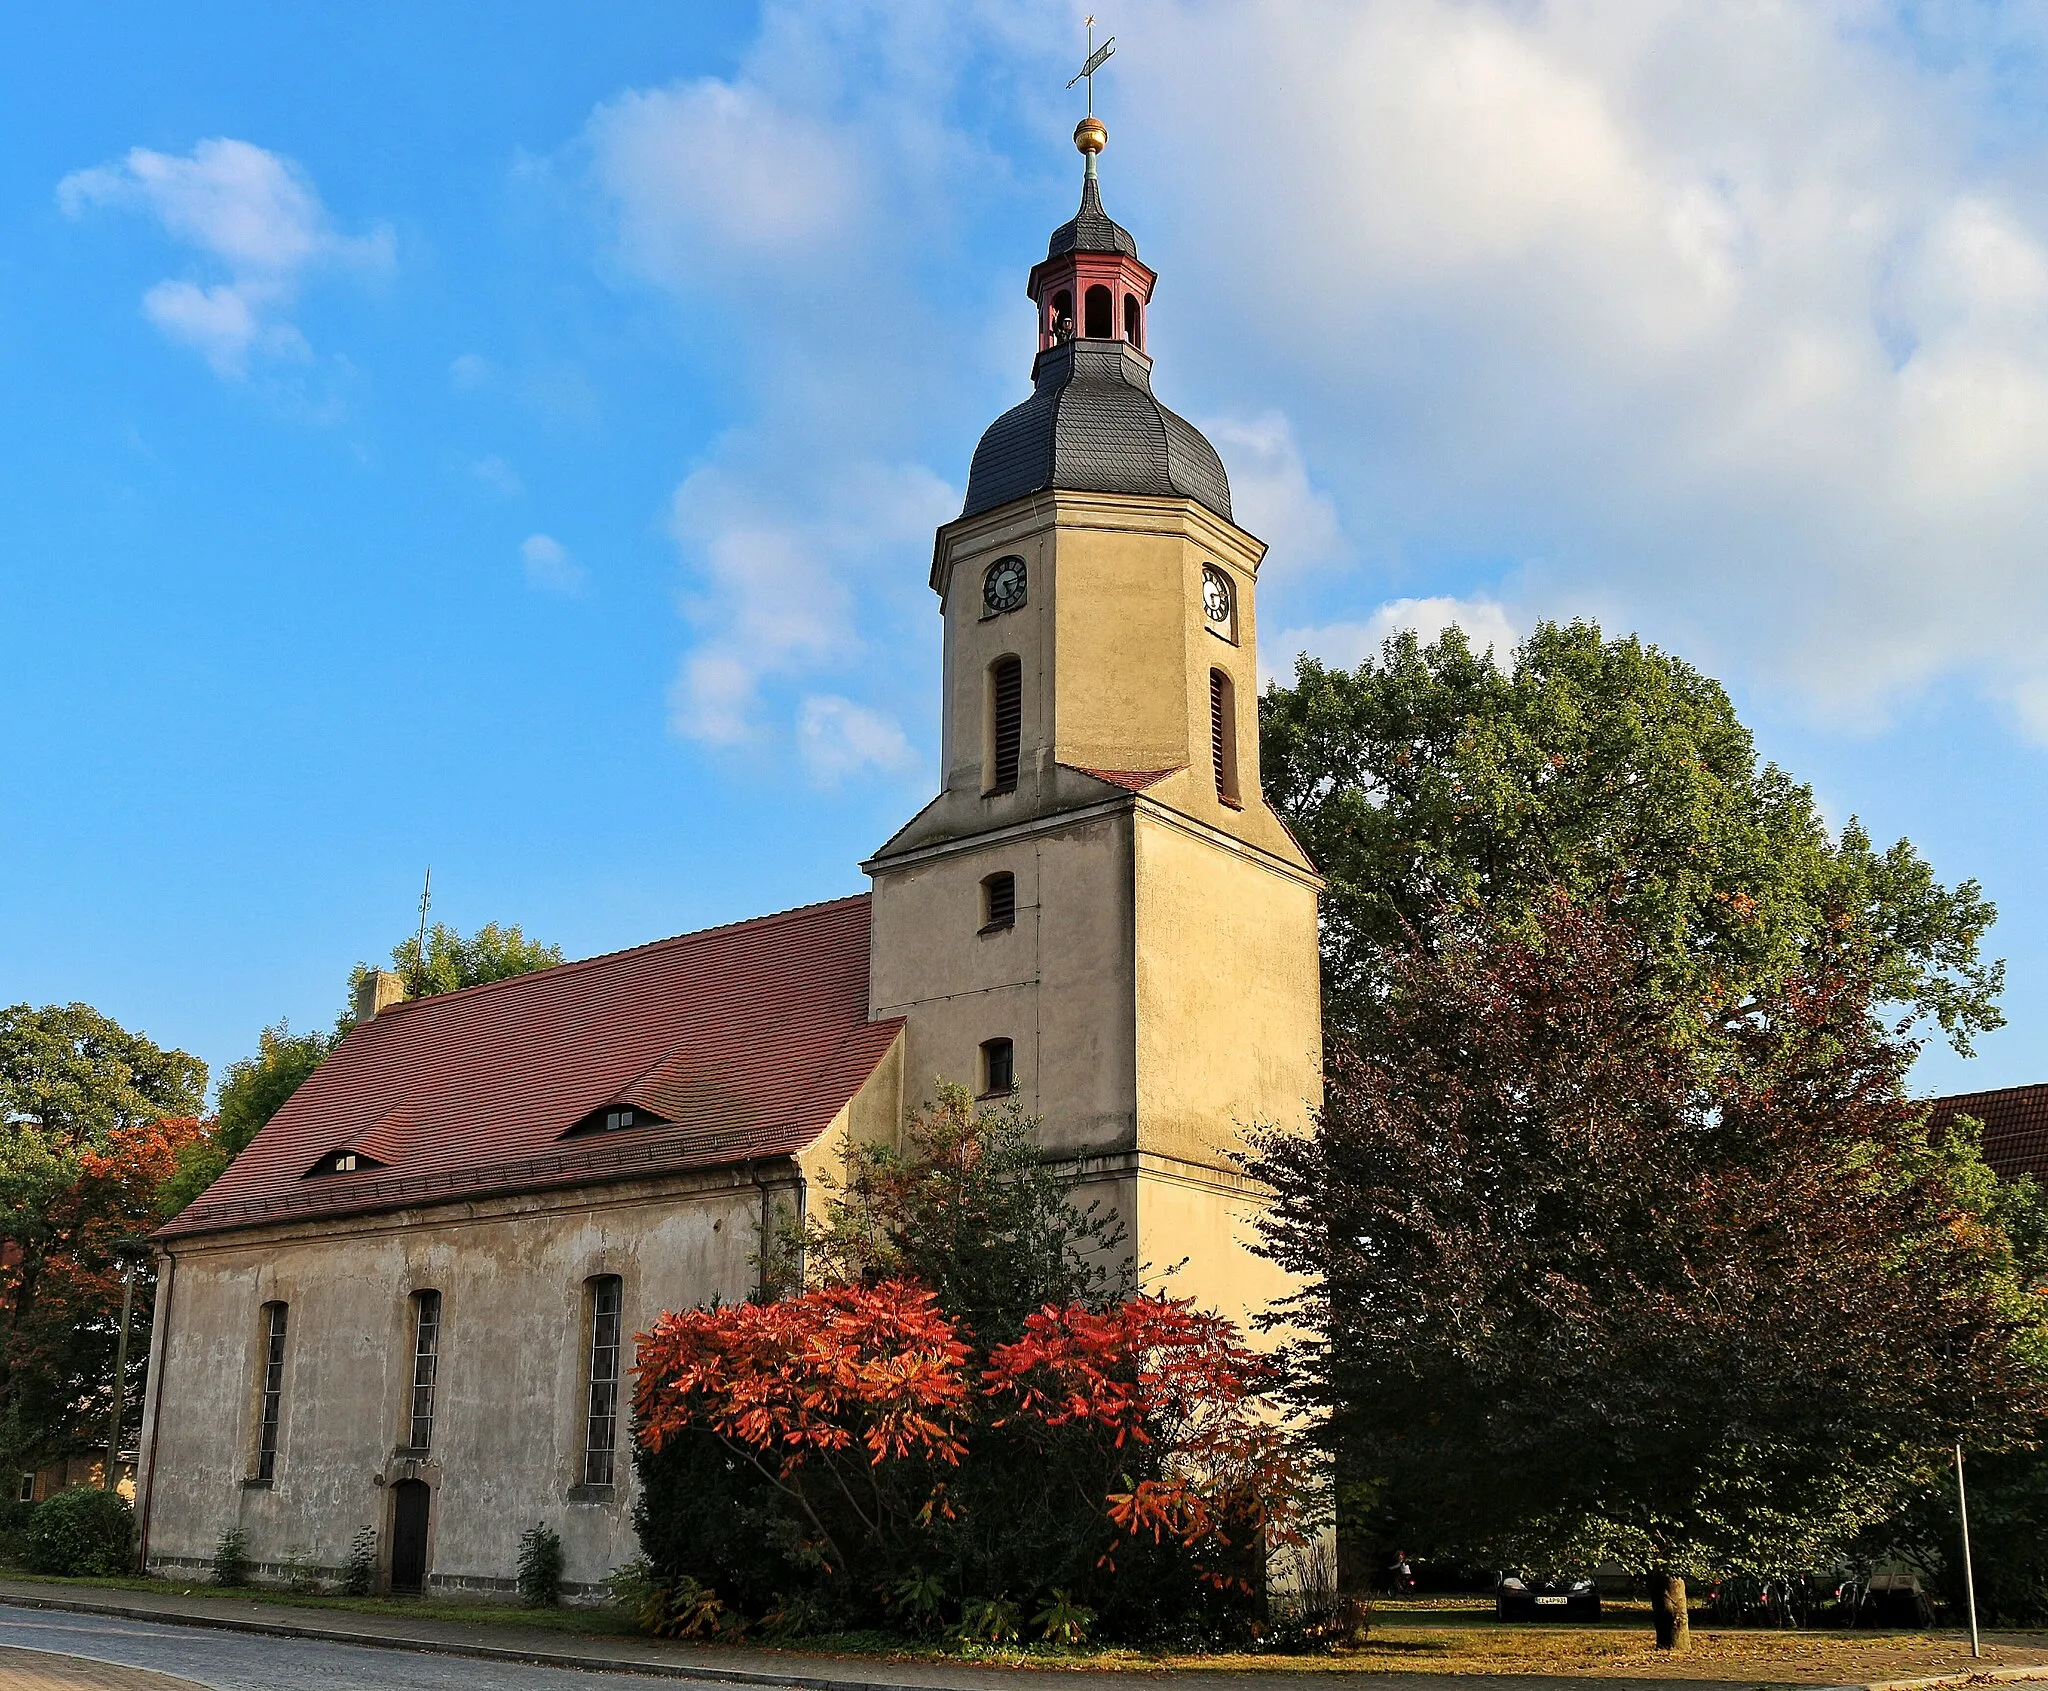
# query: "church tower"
[[1099, 915]]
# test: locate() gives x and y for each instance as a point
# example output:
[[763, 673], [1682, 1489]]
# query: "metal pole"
[[112, 1477], [1969, 1575]]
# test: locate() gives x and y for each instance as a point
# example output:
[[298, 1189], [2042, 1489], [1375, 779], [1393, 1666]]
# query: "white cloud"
[[711, 171], [839, 738], [1730, 320], [1346, 645], [498, 476], [253, 214], [773, 581], [1269, 488], [549, 565]]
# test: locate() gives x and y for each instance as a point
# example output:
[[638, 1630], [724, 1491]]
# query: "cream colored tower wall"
[[1191, 1233], [1058, 984], [1228, 991]]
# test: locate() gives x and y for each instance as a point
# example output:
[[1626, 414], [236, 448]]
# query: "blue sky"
[[509, 438]]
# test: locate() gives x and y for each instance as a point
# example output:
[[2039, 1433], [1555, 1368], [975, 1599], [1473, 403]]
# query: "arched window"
[[601, 1420], [1223, 736], [1059, 322], [1132, 332], [1005, 725], [1099, 311], [998, 1068], [998, 902], [426, 1364], [270, 1384]]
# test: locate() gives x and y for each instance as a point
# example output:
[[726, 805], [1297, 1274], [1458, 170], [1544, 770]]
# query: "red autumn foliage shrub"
[[1123, 1462]]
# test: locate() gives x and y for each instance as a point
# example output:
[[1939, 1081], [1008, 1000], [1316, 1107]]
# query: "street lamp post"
[[1969, 1574], [131, 1258]]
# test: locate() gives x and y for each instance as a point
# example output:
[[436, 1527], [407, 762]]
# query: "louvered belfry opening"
[[1223, 735], [1006, 722], [999, 902]]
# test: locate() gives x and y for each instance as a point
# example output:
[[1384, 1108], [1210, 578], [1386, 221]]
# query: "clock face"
[[1216, 596], [1002, 589]]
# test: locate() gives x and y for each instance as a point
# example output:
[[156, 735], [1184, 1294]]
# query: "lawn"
[[1456, 1635]]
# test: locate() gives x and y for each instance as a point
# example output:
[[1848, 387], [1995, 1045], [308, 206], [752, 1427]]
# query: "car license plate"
[[1551, 1602]]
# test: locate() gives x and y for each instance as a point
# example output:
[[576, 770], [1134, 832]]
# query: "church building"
[[407, 1310]]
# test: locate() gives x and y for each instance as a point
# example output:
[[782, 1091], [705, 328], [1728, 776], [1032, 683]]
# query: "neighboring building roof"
[[745, 1040], [2015, 1122], [1091, 425], [1091, 229]]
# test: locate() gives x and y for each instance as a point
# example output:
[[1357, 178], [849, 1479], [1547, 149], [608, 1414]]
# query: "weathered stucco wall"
[[1057, 984], [507, 1445]]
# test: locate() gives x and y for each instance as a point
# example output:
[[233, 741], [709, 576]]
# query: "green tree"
[[1534, 1224], [72, 1076], [452, 962], [91, 1118], [969, 1209], [251, 1092], [1430, 781]]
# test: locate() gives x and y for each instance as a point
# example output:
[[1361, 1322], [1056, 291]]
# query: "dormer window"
[[342, 1162], [616, 1118]]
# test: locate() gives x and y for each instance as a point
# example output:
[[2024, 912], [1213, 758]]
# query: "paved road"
[[232, 1661]]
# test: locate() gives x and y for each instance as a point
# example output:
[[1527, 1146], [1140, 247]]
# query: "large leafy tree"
[[1615, 1203], [1584, 1288], [91, 1119], [1432, 781]]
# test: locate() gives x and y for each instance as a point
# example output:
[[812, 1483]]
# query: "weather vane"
[[1096, 57]]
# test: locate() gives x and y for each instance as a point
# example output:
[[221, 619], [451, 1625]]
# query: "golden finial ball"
[[1089, 135]]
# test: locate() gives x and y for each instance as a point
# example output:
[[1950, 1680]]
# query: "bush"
[[82, 1531], [359, 1573], [14, 1532], [540, 1566], [231, 1562], [967, 1428]]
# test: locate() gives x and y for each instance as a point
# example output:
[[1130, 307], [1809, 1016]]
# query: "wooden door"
[[410, 1510]]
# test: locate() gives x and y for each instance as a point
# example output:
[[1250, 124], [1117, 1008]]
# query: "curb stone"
[[482, 1652], [1983, 1676]]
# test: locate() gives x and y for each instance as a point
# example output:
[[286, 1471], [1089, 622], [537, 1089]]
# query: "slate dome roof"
[[1092, 424]]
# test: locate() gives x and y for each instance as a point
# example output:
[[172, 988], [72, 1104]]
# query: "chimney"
[[376, 992]]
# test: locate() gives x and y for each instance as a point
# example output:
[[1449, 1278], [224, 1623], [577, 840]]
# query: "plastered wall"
[[509, 1411]]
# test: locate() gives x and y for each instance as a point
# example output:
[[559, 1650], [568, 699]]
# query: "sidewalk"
[[748, 1665]]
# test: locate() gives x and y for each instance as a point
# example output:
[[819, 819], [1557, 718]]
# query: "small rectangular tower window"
[[1005, 723], [1223, 736], [26, 1491], [601, 1423], [998, 902], [272, 1410], [426, 1363], [998, 1068]]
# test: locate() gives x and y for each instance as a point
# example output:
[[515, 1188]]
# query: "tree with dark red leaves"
[[1593, 1276]]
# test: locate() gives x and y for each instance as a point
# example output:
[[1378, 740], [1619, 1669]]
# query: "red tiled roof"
[[747, 1040], [2015, 1122], [1137, 780]]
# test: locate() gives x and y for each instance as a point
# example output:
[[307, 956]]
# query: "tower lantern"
[[1091, 284]]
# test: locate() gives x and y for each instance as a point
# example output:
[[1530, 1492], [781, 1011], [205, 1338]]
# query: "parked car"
[[1519, 1597]]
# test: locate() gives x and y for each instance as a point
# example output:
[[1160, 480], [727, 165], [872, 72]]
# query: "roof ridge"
[[558, 969]]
